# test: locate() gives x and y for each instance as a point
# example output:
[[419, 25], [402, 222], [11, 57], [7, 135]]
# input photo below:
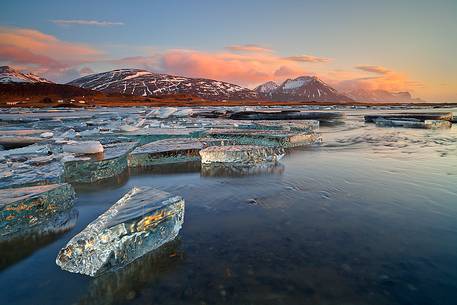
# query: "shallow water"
[[369, 217]]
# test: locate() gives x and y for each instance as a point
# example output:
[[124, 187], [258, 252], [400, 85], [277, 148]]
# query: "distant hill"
[[9, 75], [364, 95], [303, 88], [127, 86], [144, 83]]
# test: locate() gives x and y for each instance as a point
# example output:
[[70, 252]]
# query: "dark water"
[[368, 218]]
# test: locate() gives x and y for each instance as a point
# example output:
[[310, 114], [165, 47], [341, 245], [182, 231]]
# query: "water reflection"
[[127, 283], [28, 240], [369, 217], [167, 169], [107, 183], [240, 171]]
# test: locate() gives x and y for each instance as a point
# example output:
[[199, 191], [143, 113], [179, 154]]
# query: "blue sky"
[[414, 40]]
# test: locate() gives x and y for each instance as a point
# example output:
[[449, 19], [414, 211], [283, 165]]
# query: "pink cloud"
[[386, 79], [249, 69], [287, 72], [139, 62], [86, 71], [247, 65], [17, 55], [43, 53]]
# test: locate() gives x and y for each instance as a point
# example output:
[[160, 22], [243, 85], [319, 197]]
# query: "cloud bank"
[[44, 54], [244, 64]]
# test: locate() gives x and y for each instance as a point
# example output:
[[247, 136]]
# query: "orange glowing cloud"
[[244, 64], [43, 53], [244, 68], [384, 79]]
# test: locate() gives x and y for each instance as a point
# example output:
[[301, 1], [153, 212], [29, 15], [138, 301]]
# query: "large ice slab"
[[294, 125], [21, 174], [240, 155], [10, 142], [22, 132], [427, 124], [15, 247], [286, 115], [446, 116], [280, 138], [23, 208], [147, 135], [173, 150], [142, 220], [94, 167], [29, 166]]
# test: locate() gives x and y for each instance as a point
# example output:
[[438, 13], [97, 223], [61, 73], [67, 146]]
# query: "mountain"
[[144, 83], [9, 75], [364, 95], [265, 90], [303, 88]]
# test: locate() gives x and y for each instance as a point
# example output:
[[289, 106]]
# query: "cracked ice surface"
[[23, 208], [172, 150], [31, 165], [240, 154]]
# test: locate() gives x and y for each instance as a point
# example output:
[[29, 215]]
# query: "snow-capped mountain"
[[10, 75], [364, 95], [265, 90], [144, 83], [303, 88]]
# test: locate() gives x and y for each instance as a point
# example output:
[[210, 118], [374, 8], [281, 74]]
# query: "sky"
[[353, 44]]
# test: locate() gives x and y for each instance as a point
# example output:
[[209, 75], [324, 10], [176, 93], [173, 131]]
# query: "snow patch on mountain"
[[10, 75], [306, 88], [295, 83], [267, 87], [145, 83]]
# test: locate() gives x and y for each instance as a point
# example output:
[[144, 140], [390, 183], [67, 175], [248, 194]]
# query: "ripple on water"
[[370, 217]]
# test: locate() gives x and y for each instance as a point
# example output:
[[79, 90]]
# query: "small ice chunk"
[[83, 147], [69, 134], [165, 112], [128, 128], [47, 135]]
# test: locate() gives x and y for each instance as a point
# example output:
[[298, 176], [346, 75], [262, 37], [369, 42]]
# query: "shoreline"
[[197, 103]]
